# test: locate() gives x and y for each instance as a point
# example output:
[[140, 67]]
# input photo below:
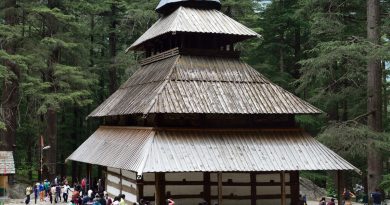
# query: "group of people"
[[94, 198], [347, 196], [59, 190], [44, 191]]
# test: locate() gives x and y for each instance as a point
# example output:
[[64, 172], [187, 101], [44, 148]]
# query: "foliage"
[[349, 139], [385, 184], [2, 125]]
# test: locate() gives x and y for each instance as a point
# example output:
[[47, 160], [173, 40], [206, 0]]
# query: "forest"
[[60, 59]]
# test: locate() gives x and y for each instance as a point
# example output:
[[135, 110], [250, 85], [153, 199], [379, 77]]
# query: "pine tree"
[[10, 76], [374, 94]]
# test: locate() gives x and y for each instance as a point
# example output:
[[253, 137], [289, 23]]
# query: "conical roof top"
[[166, 6], [192, 20]]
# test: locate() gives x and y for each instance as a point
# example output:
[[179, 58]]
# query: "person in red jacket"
[[84, 186]]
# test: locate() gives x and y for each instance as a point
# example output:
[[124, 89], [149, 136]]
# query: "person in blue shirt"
[[376, 197], [41, 192]]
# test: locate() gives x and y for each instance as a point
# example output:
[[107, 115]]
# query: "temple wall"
[[129, 186], [187, 188]]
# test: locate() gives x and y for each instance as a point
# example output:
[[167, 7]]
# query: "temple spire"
[[168, 6]]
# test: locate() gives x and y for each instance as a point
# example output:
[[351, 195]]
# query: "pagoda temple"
[[196, 124]]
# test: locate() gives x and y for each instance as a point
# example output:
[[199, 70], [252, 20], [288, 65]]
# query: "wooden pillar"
[[140, 188], [120, 181], [105, 178], [89, 176], [294, 187], [340, 188], [206, 187], [160, 189], [220, 188], [253, 189], [283, 188]]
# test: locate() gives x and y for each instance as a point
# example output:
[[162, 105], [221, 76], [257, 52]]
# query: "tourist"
[[41, 192], [376, 197], [107, 198], [90, 193], [58, 193], [76, 196], [116, 200], [28, 193], [36, 192], [47, 186], [100, 186], [301, 200], [347, 195], [122, 199], [331, 202], [322, 201], [84, 186], [97, 200], [65, 192], [57, 180], [86, 199], [102, 200], [90, 201], [52, 194]]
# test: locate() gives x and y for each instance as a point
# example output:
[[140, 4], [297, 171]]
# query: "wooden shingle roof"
[[168, 5], [187, 84], [192, 20], [149, 150]]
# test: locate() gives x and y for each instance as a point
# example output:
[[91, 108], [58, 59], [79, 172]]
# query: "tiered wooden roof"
[[189, 84], [148, 150]]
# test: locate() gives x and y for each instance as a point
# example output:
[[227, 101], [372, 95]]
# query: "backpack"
[[347, 195]]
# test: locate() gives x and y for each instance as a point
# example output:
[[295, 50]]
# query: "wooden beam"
[[206, 187], [294, 187], [340, 188], [89, 177], [283, 188], [199, 196], [220, 197], [216, 183], [160, 189], [253, 188], [120, 181], [140, 188]]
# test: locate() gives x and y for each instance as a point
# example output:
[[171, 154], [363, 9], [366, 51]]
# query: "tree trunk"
[[374, 102], [75, 140], [10, 93], [51, 117], [51, 133], [297, 51], [281, 60], [385, 92], [30, 158], [112, 44], [51, 113]]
